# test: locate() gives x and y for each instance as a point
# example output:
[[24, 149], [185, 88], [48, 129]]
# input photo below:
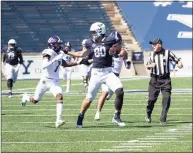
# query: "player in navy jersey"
[[12, 59], [102, 48]]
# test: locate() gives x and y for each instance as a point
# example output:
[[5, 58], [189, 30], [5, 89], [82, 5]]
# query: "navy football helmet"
[[54, 43]]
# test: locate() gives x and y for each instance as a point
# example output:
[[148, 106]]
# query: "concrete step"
[[140, 69]]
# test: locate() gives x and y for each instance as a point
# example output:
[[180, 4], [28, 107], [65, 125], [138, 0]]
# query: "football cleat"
[[59, 123], [116, 119], [24, 99], [79, 121], [148, 118], [97, 116], [9, 94]]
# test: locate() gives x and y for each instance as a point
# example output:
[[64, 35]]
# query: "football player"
[[67, 71], [12, 60], [102, 48], [106, 94], [52, 59], [85, 67]]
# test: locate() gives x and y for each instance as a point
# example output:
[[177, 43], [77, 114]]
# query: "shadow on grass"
[[16, 113]]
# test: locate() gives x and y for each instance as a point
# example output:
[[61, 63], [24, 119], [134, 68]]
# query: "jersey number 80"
[[100, 51]]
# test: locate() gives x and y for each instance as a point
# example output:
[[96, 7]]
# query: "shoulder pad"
[[114, 38], [47, 52], [18, 49]]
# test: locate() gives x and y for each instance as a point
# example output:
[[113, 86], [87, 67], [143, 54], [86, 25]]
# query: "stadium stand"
[[31, 23]]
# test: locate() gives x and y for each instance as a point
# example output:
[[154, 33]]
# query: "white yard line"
[[105, 109], [92, 115], [151, 140], [119, 150], [157, 138], [106, 104], [166, 141], [59, 142], [78, 130], [136, 146], [94, 121]]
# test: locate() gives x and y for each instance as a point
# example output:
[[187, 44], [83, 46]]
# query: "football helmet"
[[12, 43], [68, 46], [97, 30], [54, 43]]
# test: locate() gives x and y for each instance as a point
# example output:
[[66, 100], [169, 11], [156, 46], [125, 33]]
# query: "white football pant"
[[100, 76]]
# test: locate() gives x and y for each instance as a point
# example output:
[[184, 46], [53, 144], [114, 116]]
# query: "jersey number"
[[100, 51], [59, 62], [10, 55]]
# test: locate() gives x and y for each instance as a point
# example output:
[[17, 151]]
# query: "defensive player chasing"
[[102, 47], [116, 68], [12, 59], [52, 59]]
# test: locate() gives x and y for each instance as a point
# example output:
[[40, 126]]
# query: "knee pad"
[[59, 97], [9, 83], [119, 92]]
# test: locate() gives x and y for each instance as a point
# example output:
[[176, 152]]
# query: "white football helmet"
[[12, 43], [97, 29]]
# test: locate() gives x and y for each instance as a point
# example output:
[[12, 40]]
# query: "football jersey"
[[52, 71], [12, 55], [100, 50], [117, 64], [68, 58]]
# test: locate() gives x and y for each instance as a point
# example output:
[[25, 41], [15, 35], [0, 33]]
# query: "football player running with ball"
[[102, 48], [52, 59]]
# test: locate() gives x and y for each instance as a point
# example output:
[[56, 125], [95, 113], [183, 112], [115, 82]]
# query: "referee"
[[159, 65]]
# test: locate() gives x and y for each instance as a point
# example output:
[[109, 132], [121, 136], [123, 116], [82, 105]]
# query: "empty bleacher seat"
[[33, 22]]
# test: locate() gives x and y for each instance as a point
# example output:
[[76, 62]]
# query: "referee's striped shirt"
[[162, 60]]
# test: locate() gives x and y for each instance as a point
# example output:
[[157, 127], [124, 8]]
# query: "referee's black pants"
[[155, 85]]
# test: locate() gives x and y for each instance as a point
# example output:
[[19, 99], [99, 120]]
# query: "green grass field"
[[32, 128]]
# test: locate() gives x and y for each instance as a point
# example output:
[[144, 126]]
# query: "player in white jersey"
[[116, 68], [67, 71], [85, 68], [52, 59]]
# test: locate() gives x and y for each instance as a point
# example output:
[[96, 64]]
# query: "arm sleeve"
[[172, 57]]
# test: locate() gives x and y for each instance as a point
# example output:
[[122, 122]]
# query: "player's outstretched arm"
[[69, 64], [82, 53]]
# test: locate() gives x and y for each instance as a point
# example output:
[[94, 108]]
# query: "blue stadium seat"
[[31, 23]]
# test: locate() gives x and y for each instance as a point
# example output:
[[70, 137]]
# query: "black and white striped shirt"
[[162, 61]]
